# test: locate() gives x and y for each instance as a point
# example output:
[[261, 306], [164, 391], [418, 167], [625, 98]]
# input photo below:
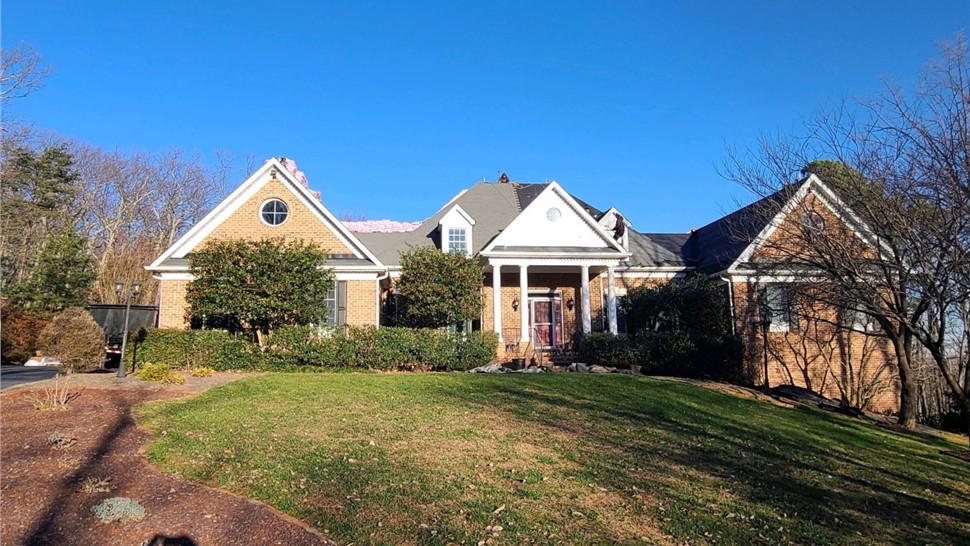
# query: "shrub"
[[181, 349], [173, 378], [119, 509], [153, 372], [476, 349], [294, 347], [202, 372], [680, 354], [19, 334], [388, 348], [56, 396], [76, 339], [607, 350], [438, 288], [262, 284]]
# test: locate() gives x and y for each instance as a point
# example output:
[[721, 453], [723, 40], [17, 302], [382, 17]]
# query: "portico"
[[551, 298]]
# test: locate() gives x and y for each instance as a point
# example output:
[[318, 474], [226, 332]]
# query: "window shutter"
[[341, 302]]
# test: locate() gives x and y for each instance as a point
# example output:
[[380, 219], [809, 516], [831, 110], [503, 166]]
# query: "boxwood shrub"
[[305, 347], [680, 354]]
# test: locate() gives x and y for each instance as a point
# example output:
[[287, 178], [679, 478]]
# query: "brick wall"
[[567, 284], [833, 361], [362, 303], [301, 222], [172, 306]]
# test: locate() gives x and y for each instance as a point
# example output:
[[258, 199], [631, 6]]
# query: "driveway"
[[12, 376]]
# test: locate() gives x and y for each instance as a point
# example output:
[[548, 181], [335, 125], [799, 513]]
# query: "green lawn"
[[558, 459]]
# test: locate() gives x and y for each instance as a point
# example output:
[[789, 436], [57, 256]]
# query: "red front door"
[[547, 322]]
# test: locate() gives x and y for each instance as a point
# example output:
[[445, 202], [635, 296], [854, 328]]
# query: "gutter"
[[377, 296]]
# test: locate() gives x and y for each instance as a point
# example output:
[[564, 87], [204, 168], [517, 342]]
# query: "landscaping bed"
[[58, 465]]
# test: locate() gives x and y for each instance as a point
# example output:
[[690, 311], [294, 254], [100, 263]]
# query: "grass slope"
[[558, 459]]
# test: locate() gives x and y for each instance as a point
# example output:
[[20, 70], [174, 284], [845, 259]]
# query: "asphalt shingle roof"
[[494, 206], [714, 247]]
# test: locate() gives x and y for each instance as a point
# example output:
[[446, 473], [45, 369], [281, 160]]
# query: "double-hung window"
[[779, 308], [457, 241], [332, 307]]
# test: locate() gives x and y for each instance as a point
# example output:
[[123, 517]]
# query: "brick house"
[[555, 266]]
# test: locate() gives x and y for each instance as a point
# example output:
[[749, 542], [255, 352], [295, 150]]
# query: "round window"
[[273, 212], [553, 214]]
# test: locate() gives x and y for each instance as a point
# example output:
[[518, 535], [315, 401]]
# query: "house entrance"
[[547, 321]]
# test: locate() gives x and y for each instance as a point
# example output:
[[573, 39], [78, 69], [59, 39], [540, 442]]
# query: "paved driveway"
[[11, 376]]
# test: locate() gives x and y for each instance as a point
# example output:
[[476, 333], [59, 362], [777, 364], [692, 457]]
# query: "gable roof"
[[561, 241], [731, 241], [714, 247], [494, 206], [174, 257]]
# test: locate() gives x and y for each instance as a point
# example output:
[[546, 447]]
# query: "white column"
[[611, 299], [524, 303], [587, 311], [497, 300]]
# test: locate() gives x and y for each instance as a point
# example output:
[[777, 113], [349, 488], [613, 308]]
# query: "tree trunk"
[[908, 395]]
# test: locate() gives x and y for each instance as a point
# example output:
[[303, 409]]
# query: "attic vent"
[[504, 179]]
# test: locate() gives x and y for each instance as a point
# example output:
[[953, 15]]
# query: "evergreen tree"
[[61, 278]]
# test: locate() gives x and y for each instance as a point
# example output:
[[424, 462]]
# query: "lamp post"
[[135, 288]]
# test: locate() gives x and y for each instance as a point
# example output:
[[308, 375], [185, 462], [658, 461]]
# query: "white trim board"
[[246, 190], [525, 225], [829, 199]]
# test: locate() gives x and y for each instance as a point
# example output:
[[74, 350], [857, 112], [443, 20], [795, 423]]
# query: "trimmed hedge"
[[679, 354], [306, 347], [388, 348], [187, 349]]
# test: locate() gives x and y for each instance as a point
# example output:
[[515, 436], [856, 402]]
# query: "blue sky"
[[392, 108]]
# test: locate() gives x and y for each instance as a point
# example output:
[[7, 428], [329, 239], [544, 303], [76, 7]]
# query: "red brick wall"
[[835, 362]]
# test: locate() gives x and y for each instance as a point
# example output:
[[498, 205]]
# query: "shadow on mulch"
[[42, 502]]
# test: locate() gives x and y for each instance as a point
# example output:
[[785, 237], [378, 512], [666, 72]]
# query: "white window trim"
[[263, 205], [448, 243], [779, 326], [456, 218]]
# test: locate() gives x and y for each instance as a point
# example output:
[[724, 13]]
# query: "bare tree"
[[23, 72], [133, 207], [899, 168]]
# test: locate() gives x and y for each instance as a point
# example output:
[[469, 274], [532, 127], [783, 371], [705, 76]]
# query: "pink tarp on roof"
[[381, 226], [298, 174]]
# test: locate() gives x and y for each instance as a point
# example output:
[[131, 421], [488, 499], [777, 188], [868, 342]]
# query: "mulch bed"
[[41, 495]]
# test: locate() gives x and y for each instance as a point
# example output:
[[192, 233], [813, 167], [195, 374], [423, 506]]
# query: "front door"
[[547, 321]]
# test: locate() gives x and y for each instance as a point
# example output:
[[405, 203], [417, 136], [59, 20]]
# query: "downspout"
[[377, 295], [730, 284]]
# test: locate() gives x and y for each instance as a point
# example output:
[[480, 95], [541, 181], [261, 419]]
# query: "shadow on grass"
[[801, 475]]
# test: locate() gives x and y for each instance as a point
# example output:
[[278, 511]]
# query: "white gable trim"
[[571, 203], [240, 195], [827, 197], [461, 212]]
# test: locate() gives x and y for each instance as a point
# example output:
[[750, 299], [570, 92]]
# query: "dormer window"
[[456, 231], [457, 241]]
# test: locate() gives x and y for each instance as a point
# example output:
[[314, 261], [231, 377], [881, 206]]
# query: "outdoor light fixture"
[[135, 289], [570, 304], [515, 304]]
